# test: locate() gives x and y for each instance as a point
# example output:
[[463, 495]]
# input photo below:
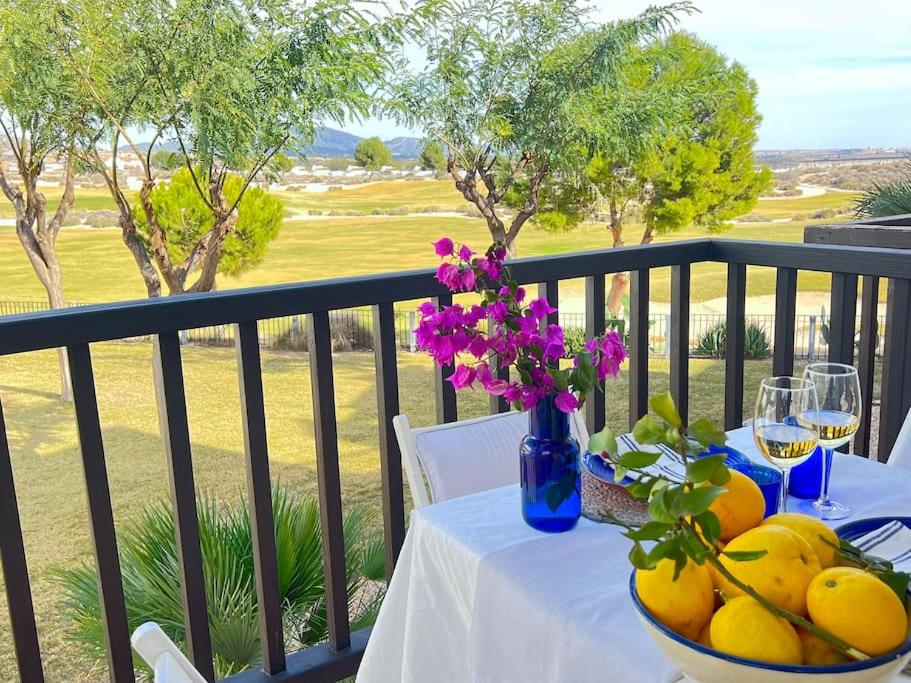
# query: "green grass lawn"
[[47, 464]]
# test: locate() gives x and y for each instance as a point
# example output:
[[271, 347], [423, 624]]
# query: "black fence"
[[352, 330], [77, 328]]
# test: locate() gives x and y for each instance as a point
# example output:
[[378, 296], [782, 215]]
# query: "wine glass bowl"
[[782, 438], [837, 418]]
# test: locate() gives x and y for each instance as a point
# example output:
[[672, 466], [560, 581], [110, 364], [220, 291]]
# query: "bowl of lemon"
[[716, 633]]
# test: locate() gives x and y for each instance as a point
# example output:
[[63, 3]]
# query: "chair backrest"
[[901, 451], [168, 663], [458, 458]]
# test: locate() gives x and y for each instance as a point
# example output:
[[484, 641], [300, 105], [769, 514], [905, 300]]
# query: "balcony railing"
[[163, 319]]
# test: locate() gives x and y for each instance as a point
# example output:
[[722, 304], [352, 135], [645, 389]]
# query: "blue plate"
[[733, 457], [851, 531]]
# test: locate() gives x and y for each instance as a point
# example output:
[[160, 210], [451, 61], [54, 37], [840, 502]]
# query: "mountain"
[[330, 142]]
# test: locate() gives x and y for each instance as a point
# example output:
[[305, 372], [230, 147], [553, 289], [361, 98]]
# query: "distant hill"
[[330, 142]]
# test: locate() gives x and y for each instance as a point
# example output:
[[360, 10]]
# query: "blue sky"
[[832, 73]]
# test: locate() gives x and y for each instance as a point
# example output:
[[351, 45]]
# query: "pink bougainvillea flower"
[[468, 280], [465, 253], [540, 308], [443, 247], [566, 402], [462, 377]]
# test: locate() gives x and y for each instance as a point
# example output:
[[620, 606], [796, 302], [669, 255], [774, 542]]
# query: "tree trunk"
[[620, 281]]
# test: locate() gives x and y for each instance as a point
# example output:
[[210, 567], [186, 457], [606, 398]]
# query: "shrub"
[[754, 217], [433, 208], [824, 213], [347, 328], [148, 560], [713, 342]]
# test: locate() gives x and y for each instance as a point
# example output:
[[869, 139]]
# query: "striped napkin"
[[891, 542], [669, 465]]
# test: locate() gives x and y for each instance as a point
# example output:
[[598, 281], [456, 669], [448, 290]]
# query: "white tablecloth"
[[477, 595]]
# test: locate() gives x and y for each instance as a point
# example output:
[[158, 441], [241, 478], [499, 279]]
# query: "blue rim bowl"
[[871, 663]]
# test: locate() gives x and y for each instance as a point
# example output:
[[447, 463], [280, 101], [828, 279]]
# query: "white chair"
[[459, 458], [901, 451], [168, 663]]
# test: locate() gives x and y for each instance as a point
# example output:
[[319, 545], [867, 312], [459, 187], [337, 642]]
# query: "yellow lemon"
[[741, 508], [814, 531], [858, 608], [744, 628], [781, 576], [684, 605], [818, 652], [705, 637]]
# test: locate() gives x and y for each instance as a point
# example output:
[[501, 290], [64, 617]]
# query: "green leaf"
[[668, 548], [703, 469], [636, 460], [898, 582], [698, 500], [657, 508], [560, 378], [709, 526], [659, 486], [693, 547], [619, 474], [603, 442], [642, 489], [664, 407], [707, 433], [744, 555], [650, 531], [648, 430], [721, 477], [639, 558], [559, 490]]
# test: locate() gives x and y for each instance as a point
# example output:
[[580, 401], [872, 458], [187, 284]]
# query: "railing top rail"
[[87, 324]]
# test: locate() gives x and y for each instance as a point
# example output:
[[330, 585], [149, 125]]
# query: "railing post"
[[678, 342], [387, 403], [869, 340], [811, 339], [785, 321], [259, 494], [101, 516], [15, 571], [325, 431], [734, 346], [896, 390], [638, 343], [172, 407], [843, 318], [594, 326]]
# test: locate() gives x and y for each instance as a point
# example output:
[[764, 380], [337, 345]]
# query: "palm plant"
[[148, 560], [890, 199]]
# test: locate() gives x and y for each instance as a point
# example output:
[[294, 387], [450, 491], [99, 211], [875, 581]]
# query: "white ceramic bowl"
[[705, 665]]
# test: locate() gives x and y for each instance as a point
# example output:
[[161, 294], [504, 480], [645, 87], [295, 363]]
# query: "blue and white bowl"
[[705, 665]]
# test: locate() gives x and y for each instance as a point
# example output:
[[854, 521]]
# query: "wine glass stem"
[[783, 494], [827, 455]]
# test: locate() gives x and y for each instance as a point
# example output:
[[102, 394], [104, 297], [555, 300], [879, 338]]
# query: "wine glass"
[[782, 439], [838, 417]]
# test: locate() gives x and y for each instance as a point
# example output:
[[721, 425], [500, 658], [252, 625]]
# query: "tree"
[[372, 154], [184, 219], [39, 106], [502, 88], [432, 157], [166, 160], [278, 165], [687, 160], [230, 93]]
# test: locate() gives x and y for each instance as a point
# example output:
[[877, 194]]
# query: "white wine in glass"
[[837, 419], [782, 439]]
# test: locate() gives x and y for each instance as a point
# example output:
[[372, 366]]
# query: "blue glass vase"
[[549, 470]]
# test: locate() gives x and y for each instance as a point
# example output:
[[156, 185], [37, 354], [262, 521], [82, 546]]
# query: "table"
[[477, 595]]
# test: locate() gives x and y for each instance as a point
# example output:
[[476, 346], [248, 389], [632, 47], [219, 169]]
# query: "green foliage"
[[148, 560], [713, 342], [372, 154], [890, 199], [506, 88], [185, 219], [432, 157], [278, 165], [166, 160]]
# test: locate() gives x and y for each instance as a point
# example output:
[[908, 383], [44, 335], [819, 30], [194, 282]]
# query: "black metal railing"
[[163, 319]]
